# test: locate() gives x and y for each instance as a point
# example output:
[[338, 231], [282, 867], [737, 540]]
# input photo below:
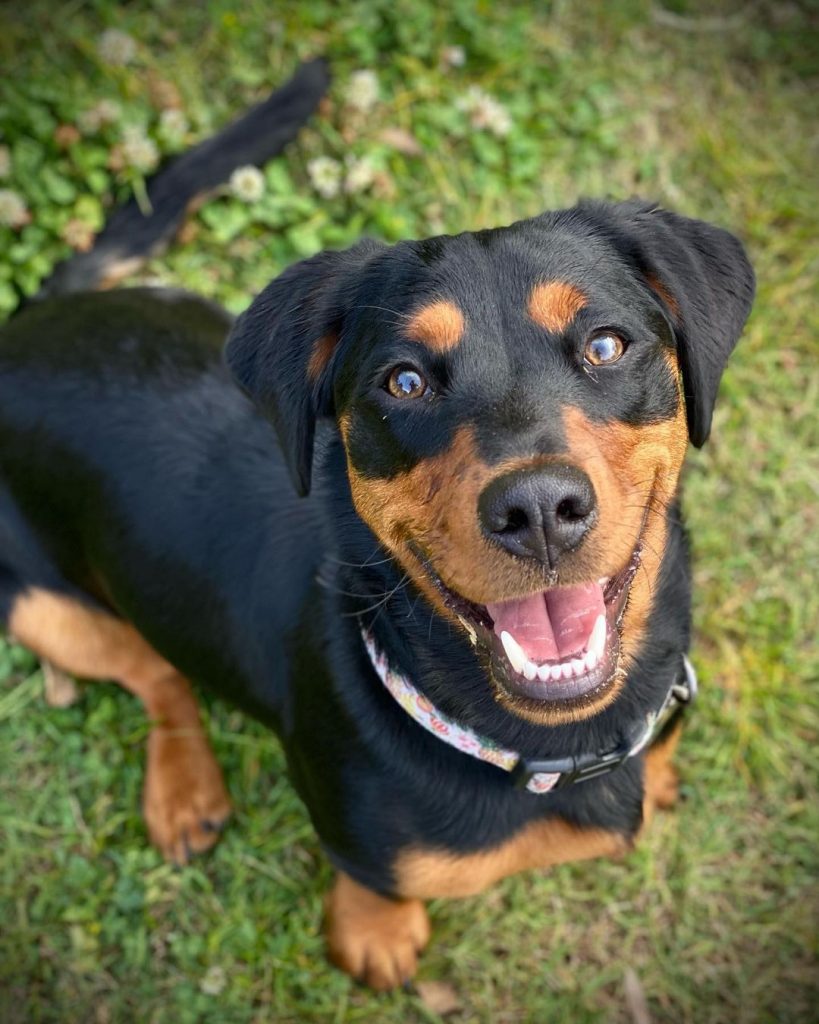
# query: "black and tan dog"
[[451, 575]]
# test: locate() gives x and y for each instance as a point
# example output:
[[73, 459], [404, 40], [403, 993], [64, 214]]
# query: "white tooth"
[[591, 660], [603, 582], [597, 640], [517, 659], [555, 673], [578, 666], [544, 672], [566, 669], [530, 670]]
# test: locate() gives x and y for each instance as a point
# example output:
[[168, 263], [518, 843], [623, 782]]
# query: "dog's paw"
[[185, 801], [376, 940]]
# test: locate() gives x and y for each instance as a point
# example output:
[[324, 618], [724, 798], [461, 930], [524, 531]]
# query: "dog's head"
[[514, 406]]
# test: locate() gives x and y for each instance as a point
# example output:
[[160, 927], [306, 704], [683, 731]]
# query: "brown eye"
[[604, 349], [404, 382]]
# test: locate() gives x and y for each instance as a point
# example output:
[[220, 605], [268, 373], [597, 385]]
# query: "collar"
[[535, 775]]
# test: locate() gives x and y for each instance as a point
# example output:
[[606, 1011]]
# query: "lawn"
[[467, 115]]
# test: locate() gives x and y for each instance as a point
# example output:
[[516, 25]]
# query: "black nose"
[[540, 513]]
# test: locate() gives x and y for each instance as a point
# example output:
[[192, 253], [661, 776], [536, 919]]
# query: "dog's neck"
[[540, 775]]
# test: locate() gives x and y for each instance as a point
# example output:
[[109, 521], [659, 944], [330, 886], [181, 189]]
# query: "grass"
[[716, 910]]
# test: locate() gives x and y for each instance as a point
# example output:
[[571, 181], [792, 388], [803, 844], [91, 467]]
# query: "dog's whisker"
[[383, 599]]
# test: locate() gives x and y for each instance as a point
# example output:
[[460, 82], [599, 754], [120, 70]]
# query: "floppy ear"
[[281, 348], [702, 277]]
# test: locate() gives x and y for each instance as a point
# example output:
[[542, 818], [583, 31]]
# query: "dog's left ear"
[[281, 348], [704, 281]]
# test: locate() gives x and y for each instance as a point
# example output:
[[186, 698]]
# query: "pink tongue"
[[551, 626]]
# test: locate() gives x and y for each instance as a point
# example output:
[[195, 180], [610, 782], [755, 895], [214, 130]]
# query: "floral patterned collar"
[[537, 776]]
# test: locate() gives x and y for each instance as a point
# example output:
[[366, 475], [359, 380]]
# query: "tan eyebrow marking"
[[554, 304], [440, 325]]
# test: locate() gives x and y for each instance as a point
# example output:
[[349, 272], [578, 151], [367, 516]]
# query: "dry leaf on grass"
[[404, 141], [635, 998], [438, 996]]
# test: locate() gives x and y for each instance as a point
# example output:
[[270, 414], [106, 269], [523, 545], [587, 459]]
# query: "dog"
[[432, 539]]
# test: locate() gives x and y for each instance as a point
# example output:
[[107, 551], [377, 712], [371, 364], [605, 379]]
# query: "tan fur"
[[323, 349], [657, 286], [440, 326], [660, 778], [635, 472], [374, 939], [185, 801], [428, 874], [554, 304], [435, 504]]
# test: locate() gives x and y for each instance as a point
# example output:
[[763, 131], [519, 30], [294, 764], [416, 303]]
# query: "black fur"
[[132, 235], [133, 472]]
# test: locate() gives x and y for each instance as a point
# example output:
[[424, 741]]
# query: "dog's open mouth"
[[560, 644], [563, 643]]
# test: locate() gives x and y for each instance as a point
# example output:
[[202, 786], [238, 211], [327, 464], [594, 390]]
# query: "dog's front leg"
[[372, 937]]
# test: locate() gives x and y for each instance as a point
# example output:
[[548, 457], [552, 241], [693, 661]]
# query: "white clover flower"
[[325, 176], [213, 981], [108, 111], [78, 234], [485, 112], [362, 90], [470, 98], [138, 151], [247, 183], [173, 124], [453, 56], [13, 210], [360, 175], [493, 116], [105, 112], [116, 47], [5, 161]]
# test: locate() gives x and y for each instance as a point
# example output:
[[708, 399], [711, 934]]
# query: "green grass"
[[716, 910]]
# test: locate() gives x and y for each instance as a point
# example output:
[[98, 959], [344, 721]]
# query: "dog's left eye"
[[603, 349], [406, 382]]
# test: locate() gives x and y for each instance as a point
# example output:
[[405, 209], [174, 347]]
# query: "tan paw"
[[374, 939], [185, 801]]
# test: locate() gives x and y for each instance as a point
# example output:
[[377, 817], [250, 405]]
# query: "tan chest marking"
[[428, 873]]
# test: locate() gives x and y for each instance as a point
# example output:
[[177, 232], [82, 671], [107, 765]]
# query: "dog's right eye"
[[406, 382]]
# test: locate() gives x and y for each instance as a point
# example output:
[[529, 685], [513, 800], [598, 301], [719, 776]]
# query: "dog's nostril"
[[541, 513], [569, 509], [516, 519]]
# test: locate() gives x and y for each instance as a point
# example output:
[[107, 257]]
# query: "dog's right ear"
[[281, 348]]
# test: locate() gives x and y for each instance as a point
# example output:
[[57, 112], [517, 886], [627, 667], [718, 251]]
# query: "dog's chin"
[[554, 655]]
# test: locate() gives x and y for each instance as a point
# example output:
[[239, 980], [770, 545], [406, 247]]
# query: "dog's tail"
[[130, 236]]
